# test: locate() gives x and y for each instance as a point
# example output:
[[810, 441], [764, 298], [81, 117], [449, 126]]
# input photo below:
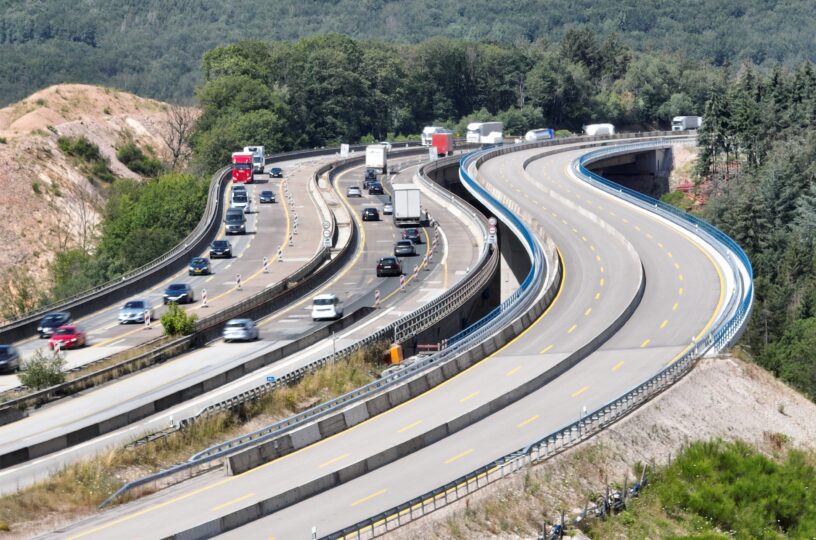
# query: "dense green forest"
[[327, 89], [758, 158], [153, 47]]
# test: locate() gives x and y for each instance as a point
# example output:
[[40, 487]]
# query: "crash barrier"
[[594, 421]]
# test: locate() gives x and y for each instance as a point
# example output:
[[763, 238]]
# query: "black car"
[[276, 172], [180, 293], [9, 359], [389, 266], [413, 234], [375, 188], [220, 249], [49, 324], [371, 174], [371, 214], [199, 266], [267, 196]]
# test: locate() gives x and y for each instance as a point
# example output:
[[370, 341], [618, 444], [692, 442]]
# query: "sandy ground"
[[721, 398]]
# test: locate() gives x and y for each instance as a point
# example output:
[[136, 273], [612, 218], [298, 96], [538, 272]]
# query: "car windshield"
[[404, 243], [234, 217], [51, 319], [68, 331], [235, 324], [323, 301], [177, 287], [239, 198], [267, 193], [197, 261], [388, 260], [134, 305], [220, 244], [241, 166]]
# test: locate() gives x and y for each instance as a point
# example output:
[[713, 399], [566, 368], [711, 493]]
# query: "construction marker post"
[[146, 318], [376, 298], [238, 281], [427, 266], [291, 240], [266, 265], [402, 284], [280, 255], [204, 298], [416, 270]]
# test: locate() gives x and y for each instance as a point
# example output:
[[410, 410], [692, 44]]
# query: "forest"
[[153, 47]]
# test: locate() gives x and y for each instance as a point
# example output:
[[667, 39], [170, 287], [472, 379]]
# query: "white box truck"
[[599, 129], [257, 158], [485, 133], [407, 207], [377, 157], [543, 134], [685, 123], [428, 133]]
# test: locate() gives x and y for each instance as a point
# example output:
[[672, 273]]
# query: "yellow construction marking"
[[564, 221], [675, 306], [574, 230], [531, 419], [680, 291], [646, 342], [597, 296], [617, 366], [625, 220], [677, 266], [580, 391], [554, 214], [663, 324], [649, 236], [512, 371], [545, 349], [613, 214], [572, 328], [637, 227], [584, 238], [233, 501], [587, 312], [459, 456], [669, 254], [602, 282], [592, 247], [598, 258], [680, 277], [369, 497], [333, 460], [660, 245], [469, 396], [409, 426], [602, 269]]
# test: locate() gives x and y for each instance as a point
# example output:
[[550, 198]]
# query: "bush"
[[134, 159], [43, 370], [36, 187], [177, 322], [80, 147]]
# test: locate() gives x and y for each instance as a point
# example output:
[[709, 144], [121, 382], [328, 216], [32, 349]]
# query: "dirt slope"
[[47, 202]]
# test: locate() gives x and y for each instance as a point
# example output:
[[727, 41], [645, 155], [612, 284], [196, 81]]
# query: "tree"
[[177, 134]]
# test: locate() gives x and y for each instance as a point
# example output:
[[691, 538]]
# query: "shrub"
[[3, 140], [80, 147], [43, 370], [36, 187], [135, 160], [177, 322]]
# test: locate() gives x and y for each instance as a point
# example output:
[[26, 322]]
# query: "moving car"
[[385, 144], [133, 311], [404, 248], [9, 359], [375, 188], [413, 234], [239, 188], [240, 330], [276, 172], [69, 336], [371, 214], [267, 196], [51, 322], [180, 293], [326, 306], [388, 209], [389, 266], [242, 201], [235, 221], [199, 266], [220, 249], [354, 191]]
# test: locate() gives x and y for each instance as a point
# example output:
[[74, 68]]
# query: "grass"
[[79, 488]]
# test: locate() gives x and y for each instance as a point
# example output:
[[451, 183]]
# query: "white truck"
[[407, 207], [543, 134], [599, 129], [428, 133], [685, 123], [377, 157], [485, 132], [257, 158]]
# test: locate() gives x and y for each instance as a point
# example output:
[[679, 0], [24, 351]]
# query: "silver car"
[[134, 311], [388, 209], [240, 330]]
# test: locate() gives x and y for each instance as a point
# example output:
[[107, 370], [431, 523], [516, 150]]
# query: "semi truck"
[[257, 157], [428, 132], [407, 208], [377, 157], [443, 142], [685, 123], [543, 134], [242, 171], [599, 129], [485, 132]]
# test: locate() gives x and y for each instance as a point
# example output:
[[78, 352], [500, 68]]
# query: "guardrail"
[[601, 417]]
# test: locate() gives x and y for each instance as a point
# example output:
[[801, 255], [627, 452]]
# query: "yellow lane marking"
[[546, 349], [677, 266], [209, 279], [587, 312], [617, 366], [580, 391], [598, 258], [512, 371], [409, 426], [572, 328], [564, 221], [554, 214], [649, 236], [369, 497], [602, 282], [584, 238], [592, 247], [675, 306], [597, 296], [459, 456], [602, 269], [525, 422], [574, 230], [637, 227], [613, 214], [680, 277], [233, 501], [660, 245], [333, 460], [469, 396], [625, 220], [664, 324], [680, 291], [646, 342], [670, 254]]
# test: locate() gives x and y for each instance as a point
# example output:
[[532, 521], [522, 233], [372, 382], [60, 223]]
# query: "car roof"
[[325, 296], [264, 192], [239, 321], [177, 285], [220, 241]]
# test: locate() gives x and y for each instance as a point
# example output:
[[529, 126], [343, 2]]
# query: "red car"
[[69, 336]]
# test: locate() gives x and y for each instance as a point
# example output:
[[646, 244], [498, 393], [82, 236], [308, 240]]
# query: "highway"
[[267, 228], [354, 284]]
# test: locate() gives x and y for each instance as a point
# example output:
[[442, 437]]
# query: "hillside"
[[153, 48], [49, 200]]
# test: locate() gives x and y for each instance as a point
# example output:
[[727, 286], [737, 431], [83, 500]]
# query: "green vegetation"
[[156, 53], [134, 159], [177, 322], [43, 370], [757, 155], [678, 199], [93, 162]]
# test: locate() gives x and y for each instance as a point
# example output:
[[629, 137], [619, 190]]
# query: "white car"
[[242, 201], [354, 191], [326, 306], [240, 330], [388, 209], [386, 144]]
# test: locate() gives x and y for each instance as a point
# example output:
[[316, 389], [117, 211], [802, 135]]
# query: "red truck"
[[443, 142], [242, 167]]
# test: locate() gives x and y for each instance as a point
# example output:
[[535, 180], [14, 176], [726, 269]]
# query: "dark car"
[[235, 222], [371, 214], [9, 359], [413, 234], [49, 324], [404, 248], [199, 266], [267, 196], [220, 249], [375, 188], [368, 181], [389, 266], [180, 293], [371, 174], [276, 172]]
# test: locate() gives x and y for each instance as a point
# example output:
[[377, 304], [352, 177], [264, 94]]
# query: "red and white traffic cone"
[[402, 284], [376, 298], [204, 298]]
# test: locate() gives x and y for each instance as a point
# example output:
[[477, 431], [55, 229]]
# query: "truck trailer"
[[257, 157], [242, 171], [599, 129], [685, 123], [407, 207], [428, 132], [485, 133], [543, 134], [377, 157], [443, 142]]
